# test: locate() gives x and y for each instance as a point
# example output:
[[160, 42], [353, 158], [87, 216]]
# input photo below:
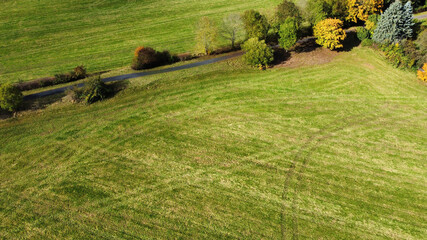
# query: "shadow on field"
[[350, 42]]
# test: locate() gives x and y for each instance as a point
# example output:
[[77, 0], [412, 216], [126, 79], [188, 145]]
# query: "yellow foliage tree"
[[361, 9], [329, 33], [422, 73]]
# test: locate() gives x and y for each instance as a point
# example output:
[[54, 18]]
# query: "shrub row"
[[78, 73], [403, 55]]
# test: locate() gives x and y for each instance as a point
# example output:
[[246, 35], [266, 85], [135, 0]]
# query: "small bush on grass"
[[146, 57], [10, 97], [258, 54], [422, 73], [79, 72], [367, 42], [93, 90], [363, 33]]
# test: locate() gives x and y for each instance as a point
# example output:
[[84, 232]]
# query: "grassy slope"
[[336, 150], [44, 37]]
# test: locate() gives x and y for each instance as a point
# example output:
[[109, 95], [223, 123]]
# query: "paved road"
[[136, 75], [422, 16]]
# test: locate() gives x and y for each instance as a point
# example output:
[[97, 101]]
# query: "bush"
[[10, 97], [396, 55], [94, 90], [288, 33], [258, 54], [146, 57], [371, 23], [63, 78], [362, 33], [422, 73], [329, 33], [79, 72], [367, 42]]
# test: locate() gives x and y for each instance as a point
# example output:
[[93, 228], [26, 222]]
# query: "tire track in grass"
[[303, 156]]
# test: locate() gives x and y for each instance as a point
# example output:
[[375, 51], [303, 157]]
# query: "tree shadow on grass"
[[350, 42]]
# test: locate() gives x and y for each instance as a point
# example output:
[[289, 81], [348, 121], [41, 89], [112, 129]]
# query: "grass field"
[[44, 37], [334, 151]]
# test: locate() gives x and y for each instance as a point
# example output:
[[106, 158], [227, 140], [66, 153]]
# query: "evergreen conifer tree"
[[408, 22], [395, 24]]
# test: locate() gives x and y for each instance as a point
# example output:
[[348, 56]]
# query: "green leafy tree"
[[257, 53], [206, 36], [316, 11], [232, 29], [10, 97], [256, 24], [288, 9], [288, 33], [394, 25]]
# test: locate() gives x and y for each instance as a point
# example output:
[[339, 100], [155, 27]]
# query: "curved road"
[[136, 75], [422, 16]]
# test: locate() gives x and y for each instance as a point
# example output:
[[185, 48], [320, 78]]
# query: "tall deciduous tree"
[[206, 37], [288, 9], [288, 33], [256, 24], [395, 24], [361, 9], [329, 33], [232, 28]]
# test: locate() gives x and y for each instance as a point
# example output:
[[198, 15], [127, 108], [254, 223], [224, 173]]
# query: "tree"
[[10, 97], [257, 53], [316, 11], [394, 25], [207, 33], [371, 23], [329, 33], [288, 33], [232, 28], [256, 24], [408, 20], [361, 9], [288, 9], [422, 73]]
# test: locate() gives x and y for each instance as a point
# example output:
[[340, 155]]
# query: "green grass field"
[[44, 37], [334, 151]]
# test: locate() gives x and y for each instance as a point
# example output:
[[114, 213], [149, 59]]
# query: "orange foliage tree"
[[361, 9], [329, 33], [422, 73]]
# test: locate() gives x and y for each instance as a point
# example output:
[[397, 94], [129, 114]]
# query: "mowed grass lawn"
[[41, 38], [334, 151]]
